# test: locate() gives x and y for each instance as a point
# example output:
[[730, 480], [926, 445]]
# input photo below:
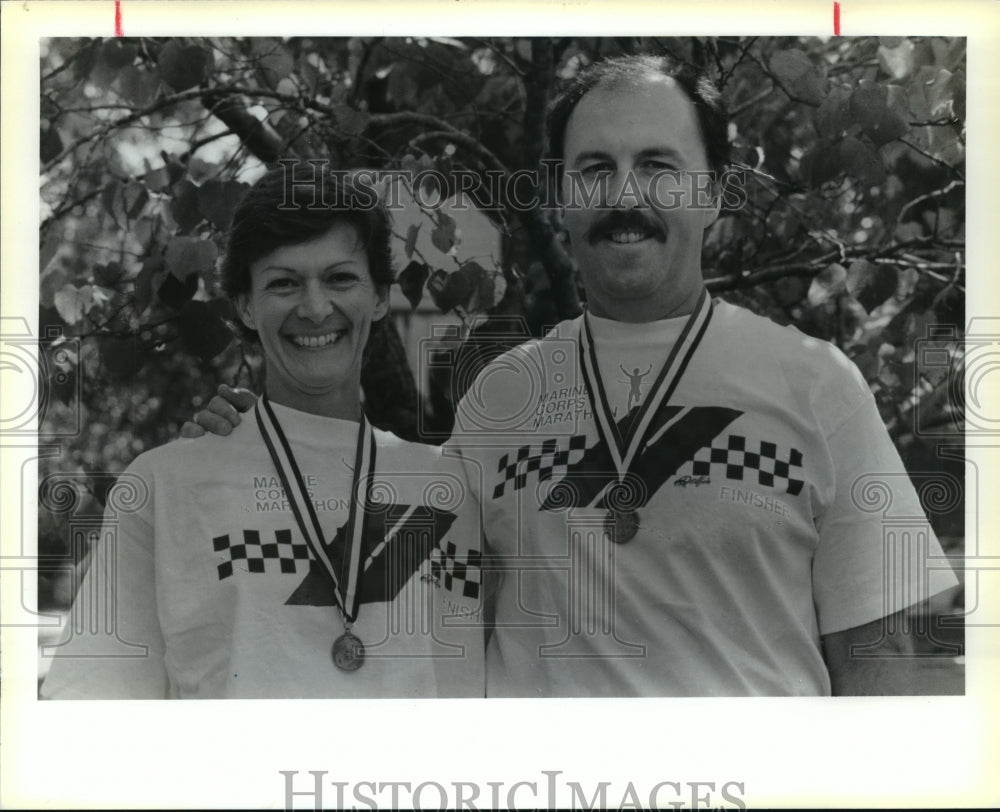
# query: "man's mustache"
[[626, 220]]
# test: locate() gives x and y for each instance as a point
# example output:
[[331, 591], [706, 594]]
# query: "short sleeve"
[[112, 646], [877, 553]]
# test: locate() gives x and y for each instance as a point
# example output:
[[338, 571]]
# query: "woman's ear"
[[382, 304], [244, 309]]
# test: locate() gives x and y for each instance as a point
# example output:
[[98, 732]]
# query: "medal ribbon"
[[624, 449], [345, 585]]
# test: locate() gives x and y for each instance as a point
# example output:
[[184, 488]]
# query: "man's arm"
[[222, 413], [880, 659]]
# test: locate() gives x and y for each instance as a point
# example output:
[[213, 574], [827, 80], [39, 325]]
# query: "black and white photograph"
[[591, 385]]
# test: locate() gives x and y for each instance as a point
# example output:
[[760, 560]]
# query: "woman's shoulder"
[[191, 455]]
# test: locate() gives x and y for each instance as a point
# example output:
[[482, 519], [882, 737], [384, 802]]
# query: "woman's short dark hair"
[[298, 202], [630, 70]]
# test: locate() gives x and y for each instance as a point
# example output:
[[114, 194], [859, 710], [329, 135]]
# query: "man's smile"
[[624, 227], [625, 237]]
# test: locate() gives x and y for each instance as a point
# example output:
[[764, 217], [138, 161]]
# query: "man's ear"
[[244, 309], [712, 213]]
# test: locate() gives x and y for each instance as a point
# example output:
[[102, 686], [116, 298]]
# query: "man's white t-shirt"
[[772, 506]]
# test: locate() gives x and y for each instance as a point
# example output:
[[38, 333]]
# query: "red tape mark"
[[118, 19], [836, 19]]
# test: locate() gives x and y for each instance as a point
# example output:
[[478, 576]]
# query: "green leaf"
[[871, 284], [820, 164], [86, 59], [350, 121], [121, 357], [931, 93], [108, 275], [202, 330], [869, 107], [218, 200], [184, 207], [135, 198], [53, 241], [459, 288], [444, 234], [50, 143], [411, 282], [74, 303], [311, 75], [810, 87], [790, 290], [184, 66], [865, 360], [897, 61], [175, 292], [833, 116], [187, 256], [146, 282], [790, 65], [118, 52], [411, 240], [827, 283], [69, 304], [275, 65], [138, 86], [157, 180], [437, 287], [861, 161]]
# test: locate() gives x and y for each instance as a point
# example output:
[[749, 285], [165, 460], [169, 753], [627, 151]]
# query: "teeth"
[[317, 341], [627, 236]]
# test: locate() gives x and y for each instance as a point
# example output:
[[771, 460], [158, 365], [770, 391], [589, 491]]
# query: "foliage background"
[[852, 154]]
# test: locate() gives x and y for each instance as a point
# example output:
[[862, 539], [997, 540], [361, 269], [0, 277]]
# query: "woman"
[[286, 560]]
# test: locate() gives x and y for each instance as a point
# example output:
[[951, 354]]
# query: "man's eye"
[[594, 169], [660, 166]]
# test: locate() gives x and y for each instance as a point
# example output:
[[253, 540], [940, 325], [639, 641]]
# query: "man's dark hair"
[[630, 70], [276, 213]]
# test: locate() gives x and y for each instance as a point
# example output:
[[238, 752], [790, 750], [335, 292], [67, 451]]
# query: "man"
[[717, 537]]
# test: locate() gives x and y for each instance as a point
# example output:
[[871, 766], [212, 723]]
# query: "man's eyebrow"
[[649, 152], [290, 269], [591, 155], [667, 152]]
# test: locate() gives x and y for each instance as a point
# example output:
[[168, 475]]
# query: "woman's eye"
[[342, 279], [281, 283]]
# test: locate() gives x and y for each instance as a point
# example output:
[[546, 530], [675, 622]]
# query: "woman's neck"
[[340, 404]]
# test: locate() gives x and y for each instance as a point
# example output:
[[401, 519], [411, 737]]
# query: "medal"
[[621, 525], [620, 498], [348, 650]]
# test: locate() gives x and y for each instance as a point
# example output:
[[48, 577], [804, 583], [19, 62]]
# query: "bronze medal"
[[622, 525], [348, 652], [626, 439]]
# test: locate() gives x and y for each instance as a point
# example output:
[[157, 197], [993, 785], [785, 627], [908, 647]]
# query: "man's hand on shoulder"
[[222, 414]]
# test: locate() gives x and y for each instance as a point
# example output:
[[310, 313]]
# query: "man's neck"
[[645, 310]]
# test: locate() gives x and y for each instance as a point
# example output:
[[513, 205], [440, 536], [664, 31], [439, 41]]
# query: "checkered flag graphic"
[[548, 461], [729, 456], [283, 550], [468, 573]]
